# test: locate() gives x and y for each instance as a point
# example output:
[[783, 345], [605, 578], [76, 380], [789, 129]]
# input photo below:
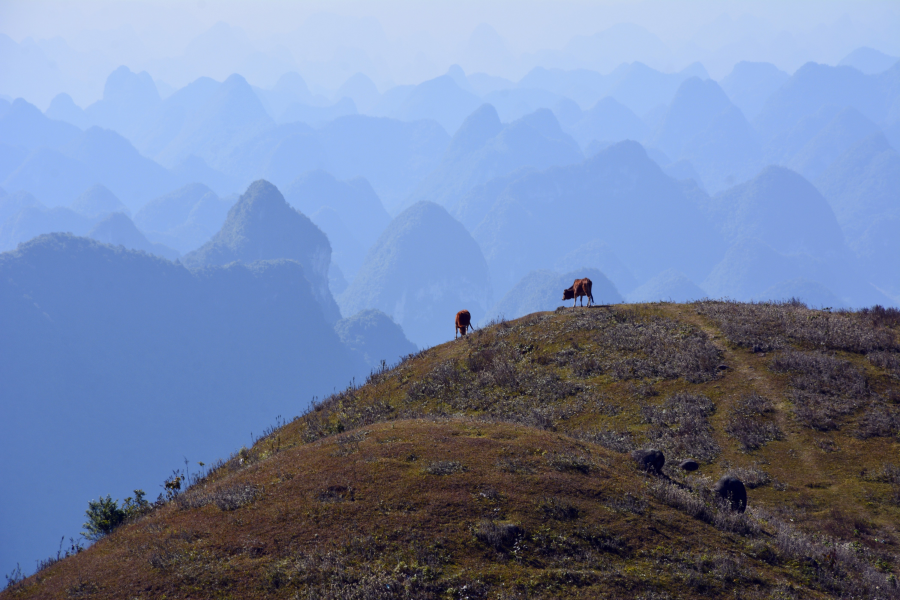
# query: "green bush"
[[104, 515]]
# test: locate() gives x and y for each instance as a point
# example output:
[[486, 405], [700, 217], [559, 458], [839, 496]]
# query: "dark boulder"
[[732, 490], [689, 465], [650, 460]]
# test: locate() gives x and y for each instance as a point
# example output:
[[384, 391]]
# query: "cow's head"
[[569, 293]]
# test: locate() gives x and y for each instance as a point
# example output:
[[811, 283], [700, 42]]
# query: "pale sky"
[[409, 41]]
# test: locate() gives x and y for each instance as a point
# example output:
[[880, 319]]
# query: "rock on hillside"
[[98, 201], [543, 290], [483, 149], [117, 229], [423, 269], [166, 362], [263, 226], [375, 337], [619, 196]]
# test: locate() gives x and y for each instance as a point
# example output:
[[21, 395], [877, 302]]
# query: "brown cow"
[[579, 289], [463, 322]]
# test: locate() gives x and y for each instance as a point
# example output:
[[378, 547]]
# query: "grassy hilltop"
[[498, 466]]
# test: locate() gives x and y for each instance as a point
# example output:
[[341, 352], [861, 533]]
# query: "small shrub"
[[619, 441], [557, 509], [337, 493], [752, 477], [445, 467], [879, 420], [499, 536], [748, 423], [225, 497], [515, 465], [824, 387], [104, 515], [680, 427], [570, 462]]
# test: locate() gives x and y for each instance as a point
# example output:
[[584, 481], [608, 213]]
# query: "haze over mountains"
[[222, 242]]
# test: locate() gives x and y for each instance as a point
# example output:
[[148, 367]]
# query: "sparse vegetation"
[[751, 424]]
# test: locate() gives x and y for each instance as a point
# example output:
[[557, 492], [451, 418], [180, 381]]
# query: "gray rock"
[[690, 465]]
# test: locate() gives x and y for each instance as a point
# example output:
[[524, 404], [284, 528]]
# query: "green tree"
[[104, 515]]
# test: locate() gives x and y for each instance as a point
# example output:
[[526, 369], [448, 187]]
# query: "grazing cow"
[[579, 289], [463, 322]]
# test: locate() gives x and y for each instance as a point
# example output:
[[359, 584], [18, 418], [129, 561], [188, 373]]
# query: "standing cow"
[[463, 322], [579, 289]]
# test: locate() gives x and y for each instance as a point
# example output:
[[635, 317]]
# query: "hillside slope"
[[497, 466]]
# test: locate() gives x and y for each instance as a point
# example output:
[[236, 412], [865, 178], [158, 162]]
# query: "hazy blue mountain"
[[605, 49], [347, 250], [440, 99], [34, 219], [843, 131], [863, 184], [868, 60], [354, 200], [543, 290], [641, 88], [117, 229], [608, 120], [375, 337], [185, 218], [483, 84], [750, 84], [63, 108], [515, 103], [11, 157], [361, 90], [166, 362], [475, 156], [725, 152], [567, 112], [668, 286], [749, 268], [780, 208], [289, 88], [115, 163], [815, 86], [682, 170], [474, 206], [392, 155], [391, 100], [24, 125], [583, 86], [128, 101], [194, 169], [98, 201], [634, 85], [232, 115], [619, 196], [877, 250], [50, 175], [171, 116], [863, 188], [695, 105], [12, 203], [599, 255], [278, 154], [811, 293], [299, 112], [423, 269], [263, 226]]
